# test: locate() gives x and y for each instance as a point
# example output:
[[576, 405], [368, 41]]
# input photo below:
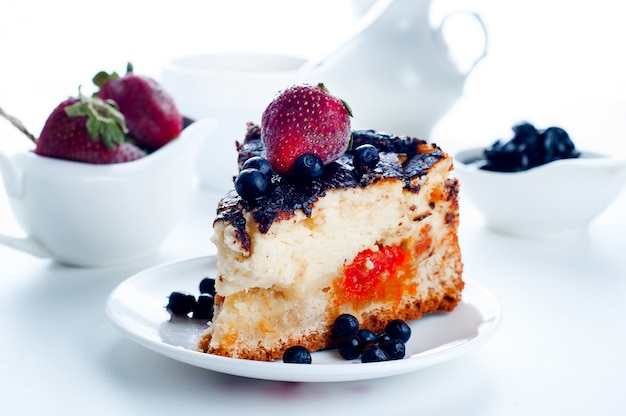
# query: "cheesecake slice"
[[379, 245]]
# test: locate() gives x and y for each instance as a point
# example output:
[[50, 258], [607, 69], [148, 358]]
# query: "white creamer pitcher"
[[396, 70]]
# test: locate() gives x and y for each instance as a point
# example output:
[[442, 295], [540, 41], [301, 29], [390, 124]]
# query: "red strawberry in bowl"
[[304, 119], [83, 129], [127, 152], [151, 114]]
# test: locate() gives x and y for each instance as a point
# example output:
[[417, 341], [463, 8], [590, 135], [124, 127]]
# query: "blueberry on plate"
[[394, 348], [297, 355], [204, 307], [373, 354], [345, 325], [366, 336], [398, 329], [181, 303], [382, 337], [207, 285], [349, 347]]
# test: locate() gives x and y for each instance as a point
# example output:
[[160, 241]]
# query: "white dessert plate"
[[137, 308]]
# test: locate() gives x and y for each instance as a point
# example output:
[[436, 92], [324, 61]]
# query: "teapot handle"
[[12, 179], [481, 24]]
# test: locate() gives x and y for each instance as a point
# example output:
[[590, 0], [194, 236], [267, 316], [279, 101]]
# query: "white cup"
[[100, 215], [232, 88]]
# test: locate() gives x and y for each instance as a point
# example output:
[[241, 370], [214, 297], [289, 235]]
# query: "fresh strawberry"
[[304, 119], [84, 129], [151, 114], [127, 152]]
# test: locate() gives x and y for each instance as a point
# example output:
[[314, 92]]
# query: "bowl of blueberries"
[[538, 184]]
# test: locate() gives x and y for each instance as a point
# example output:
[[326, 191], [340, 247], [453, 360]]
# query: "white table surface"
[[560, 349]]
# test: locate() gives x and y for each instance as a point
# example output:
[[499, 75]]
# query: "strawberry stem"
[[323, 87], [104, 121], [18, 124]]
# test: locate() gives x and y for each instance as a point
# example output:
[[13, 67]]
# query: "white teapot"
[[395, 70]]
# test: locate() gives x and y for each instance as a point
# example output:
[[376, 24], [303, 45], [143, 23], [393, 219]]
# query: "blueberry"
[[345, 325], [207, 285], [503, 157], [251, 184], [525, 133], [398, 329], [204, 307], [259, 163], [366, 336], [309, 166], [366, 158], [394, 348], [181, 303], [529, 146], [373, 353], [349, 347], [557, 145], [382, 337], [297, 355]]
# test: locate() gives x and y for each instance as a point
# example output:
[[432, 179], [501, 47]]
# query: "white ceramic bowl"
[[100, 215], [556, 199], [232, 88]]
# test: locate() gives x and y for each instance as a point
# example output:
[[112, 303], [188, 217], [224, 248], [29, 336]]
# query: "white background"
[[550, 62]]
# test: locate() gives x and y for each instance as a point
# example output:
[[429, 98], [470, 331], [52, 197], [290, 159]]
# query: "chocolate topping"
[[401, 157]]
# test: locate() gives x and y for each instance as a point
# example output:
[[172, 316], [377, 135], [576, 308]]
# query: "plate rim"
[[320, 372]]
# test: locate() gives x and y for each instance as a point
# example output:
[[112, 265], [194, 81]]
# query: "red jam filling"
[[374, 275]]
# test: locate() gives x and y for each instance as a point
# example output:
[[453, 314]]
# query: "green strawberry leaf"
[[351, 142], [347, 106], [104, 121], [103, 77]]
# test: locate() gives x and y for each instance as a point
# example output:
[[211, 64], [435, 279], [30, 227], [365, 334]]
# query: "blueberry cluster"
[[529, 148], [353, 342], [255, 178], [184, 304]]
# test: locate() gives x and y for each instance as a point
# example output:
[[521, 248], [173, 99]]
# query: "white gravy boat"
[[99, 215]]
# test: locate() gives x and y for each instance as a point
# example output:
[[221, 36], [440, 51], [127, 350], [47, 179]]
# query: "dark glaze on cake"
[[401, 158]]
